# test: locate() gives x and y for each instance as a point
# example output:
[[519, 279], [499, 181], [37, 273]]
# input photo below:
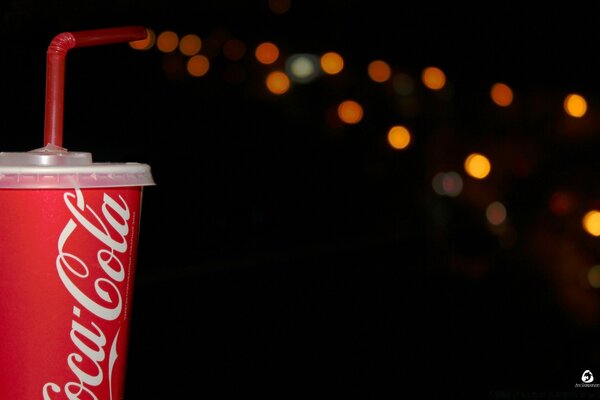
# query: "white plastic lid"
[[53, 167]]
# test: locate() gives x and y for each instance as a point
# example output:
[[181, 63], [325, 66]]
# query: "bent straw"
[[55, 70]]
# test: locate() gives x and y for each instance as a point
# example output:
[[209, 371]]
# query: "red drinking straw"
[[55, 70]]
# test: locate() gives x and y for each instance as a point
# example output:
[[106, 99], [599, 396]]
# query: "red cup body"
[[67, 267]]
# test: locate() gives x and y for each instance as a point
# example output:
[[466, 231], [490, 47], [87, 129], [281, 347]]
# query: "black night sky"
[[284, 254]]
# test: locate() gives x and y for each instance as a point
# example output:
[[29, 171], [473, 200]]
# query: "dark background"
[[284, 255]]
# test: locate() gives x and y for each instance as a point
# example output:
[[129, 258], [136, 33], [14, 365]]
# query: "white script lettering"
[[109, 231]]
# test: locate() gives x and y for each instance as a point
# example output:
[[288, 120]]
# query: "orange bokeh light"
[[501, 94], [478, 166], [379, 71], [198, 65], [190, 45], [575, 105], [591, 222], [144, 44], [266, 53], [433, 78], [350, 112], [167, 41], [278, 82], [332, 63], [398, 137], [234, 49]]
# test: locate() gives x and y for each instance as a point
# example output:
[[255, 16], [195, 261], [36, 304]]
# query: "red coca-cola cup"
[[68, 239], [68, 242]]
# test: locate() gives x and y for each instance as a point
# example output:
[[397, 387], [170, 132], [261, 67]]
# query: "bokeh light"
[[398, 137], [379, 71], [211, 47], [332, 63], [477, 165], [302, 68], [575, 105], [593, 276], [279, 6], [266, 53], [173, 65], [190, 44], [501, 94], [447, 183], [198, 65], [167, 41], [278, 82], [561, 203], [234, 49], [144, 44], [403, 84], [433, 78], [496, 213], [350, 112], [591, 222]]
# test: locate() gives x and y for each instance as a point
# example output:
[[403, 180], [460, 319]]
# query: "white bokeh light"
[[302, 68]]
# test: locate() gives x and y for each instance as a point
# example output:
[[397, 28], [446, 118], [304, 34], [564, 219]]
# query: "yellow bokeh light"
[[332, 63], [198, 65], [501, 94], [575, 105], [167, 41], [379, 71], [350, 112], [398, 137], [591, 222], [433, 78], [278, 82], [478, 166], [190, 45], [266, 53], [144, 44]]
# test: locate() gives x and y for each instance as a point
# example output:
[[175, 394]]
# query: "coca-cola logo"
[[93, 283]]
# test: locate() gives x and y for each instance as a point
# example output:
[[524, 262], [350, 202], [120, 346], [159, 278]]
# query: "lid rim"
[[95, 175], [73, 169]]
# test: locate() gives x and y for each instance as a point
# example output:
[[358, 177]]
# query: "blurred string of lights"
[[304, 68]]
